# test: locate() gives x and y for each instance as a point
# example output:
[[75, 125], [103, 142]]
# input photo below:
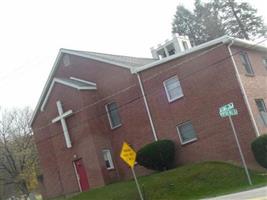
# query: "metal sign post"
[[240, 150], [128, 155], [137, 184], [229, 110]]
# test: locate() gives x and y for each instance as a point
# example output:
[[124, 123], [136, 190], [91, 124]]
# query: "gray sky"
[[32, 32]]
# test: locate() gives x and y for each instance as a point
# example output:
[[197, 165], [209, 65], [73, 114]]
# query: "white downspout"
[[243, 90], [147, 108]]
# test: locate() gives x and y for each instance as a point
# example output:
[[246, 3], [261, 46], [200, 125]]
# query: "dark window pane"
[[246, 62], [108, 159], [187, 132], [171, 52], [114, 114], [261, 105], [107, 164]]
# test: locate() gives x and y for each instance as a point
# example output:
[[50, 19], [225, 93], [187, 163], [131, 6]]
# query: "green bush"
[[158, 155], [259, 149]]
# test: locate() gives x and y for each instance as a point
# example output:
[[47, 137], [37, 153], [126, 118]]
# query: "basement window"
[[186, 132], [108, 159]]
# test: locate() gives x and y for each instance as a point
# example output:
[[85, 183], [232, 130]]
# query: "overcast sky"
[[32, 32]]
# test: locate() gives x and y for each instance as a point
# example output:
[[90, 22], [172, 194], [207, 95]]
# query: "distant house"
[[93, 102]]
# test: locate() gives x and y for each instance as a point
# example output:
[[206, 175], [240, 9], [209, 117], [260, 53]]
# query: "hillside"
[[187, 182]]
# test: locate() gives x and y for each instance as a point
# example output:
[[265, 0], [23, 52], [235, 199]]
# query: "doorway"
[[81, 175]]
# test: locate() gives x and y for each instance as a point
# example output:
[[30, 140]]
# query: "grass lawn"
[[187, 182]]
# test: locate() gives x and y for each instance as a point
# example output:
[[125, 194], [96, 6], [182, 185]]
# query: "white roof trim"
[[56, 80], [94, 58], [224, 39], [46, 86], [49, 80], [89, 87], [83, 81]]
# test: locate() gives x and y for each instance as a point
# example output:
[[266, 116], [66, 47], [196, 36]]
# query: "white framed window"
[[173, 88], [262, 109], [261, 105], [108, 159], [186, 132], [246, 62], [113, 115]]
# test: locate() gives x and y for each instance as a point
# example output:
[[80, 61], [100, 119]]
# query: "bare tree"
[[18, 155]]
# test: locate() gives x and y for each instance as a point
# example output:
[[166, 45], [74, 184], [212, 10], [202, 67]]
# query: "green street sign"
[[233, 112], [227, 107], [227, 113]]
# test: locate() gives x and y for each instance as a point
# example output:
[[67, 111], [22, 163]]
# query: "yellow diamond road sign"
[[128, 154]]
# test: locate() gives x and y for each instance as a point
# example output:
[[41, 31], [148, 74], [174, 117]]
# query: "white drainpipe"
[[147, 108], [243, 91]]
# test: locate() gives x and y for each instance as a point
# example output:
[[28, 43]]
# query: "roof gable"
[[71, 82], [117, 60]]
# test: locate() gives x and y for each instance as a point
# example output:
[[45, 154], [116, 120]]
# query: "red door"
[[81, 175]]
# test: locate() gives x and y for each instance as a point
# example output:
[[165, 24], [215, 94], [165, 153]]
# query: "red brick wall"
[[89, 127], [255, 86], [208, 82]]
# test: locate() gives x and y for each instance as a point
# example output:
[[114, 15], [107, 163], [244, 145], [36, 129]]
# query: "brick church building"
[[93, 102]]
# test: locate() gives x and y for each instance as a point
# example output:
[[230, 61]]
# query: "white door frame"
[[77, 175]]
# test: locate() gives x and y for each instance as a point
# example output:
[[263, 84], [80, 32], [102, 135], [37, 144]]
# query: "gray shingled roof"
[[124, 60]]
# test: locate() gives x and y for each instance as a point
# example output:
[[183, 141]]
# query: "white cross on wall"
[[61, 117]]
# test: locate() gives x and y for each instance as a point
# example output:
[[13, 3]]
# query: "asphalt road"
[[255, 194]]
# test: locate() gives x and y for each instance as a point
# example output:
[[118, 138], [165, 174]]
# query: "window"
[[261, 105], [246, 62], [262, 110], [173, 88], [108, 159], [113, 115], [186, 132]]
